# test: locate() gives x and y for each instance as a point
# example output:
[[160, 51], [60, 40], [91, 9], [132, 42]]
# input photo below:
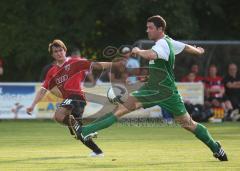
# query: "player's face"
[[153, 32], [58, 53]]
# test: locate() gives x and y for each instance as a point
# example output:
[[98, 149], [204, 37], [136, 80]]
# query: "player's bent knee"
[[187, 123], [60, 115], [58, 118]]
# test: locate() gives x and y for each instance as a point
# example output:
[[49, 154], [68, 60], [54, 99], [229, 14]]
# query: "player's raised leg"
[[112, 117], [201, 132]]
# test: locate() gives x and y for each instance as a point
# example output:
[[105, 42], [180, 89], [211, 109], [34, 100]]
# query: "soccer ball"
[[117, 94]]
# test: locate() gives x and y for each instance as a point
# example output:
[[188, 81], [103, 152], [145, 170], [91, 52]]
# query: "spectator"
[[232, 85], [1, 67], [213, 84], [132, 65], [215, 90], [191, 77], [193, 71], [76, 52], [199, 113]]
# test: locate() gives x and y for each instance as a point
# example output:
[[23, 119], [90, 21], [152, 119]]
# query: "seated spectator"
[[199, 112], [214, 89], [191, 77], [232, 85], [1, 67], [194, 70], [213, 84]]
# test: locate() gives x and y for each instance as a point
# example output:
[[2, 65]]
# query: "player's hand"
[[29, 110], [135, 51], [200, 50]]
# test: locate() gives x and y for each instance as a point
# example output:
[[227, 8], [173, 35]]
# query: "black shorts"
[[75, 103]]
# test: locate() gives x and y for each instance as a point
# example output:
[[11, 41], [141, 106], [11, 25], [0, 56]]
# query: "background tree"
[[27, 26]]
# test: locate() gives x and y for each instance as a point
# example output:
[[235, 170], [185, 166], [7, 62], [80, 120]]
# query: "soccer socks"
[[102, 117], [100, 124], [202, 134]]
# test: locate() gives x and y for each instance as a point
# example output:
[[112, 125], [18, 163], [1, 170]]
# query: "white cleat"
[[93, 154]]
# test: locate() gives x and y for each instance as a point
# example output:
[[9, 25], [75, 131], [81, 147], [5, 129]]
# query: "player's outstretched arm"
[[40, 94], [193, 50], [106, 65], [147, 54]]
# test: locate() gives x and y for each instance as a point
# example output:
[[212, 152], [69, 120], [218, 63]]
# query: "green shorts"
[[167, 98]]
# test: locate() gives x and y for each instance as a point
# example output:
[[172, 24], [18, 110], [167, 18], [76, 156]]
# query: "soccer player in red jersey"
[[64, 80]]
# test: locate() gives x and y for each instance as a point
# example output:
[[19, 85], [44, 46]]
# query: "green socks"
[[102, 117], [101, 123], [202, 134]]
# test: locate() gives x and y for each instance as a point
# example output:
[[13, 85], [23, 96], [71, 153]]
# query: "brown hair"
[[56, 43], [158, 21]]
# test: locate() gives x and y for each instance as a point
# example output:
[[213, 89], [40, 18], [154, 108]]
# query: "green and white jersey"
[[160, 88], [161, 69]]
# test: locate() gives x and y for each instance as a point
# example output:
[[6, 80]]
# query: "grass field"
[[45, 145]]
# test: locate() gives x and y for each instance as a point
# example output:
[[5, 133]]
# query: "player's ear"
[[160, 29]]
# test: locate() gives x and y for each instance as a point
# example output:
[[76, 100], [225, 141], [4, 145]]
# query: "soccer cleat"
[[221, 155], [93, 154], [70, 130], [76, 128]]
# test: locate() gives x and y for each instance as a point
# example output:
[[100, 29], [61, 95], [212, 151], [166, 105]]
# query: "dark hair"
[[158, 21]]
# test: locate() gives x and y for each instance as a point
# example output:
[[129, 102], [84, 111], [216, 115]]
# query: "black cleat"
[[70, 130], [221, 155], [75, 128]]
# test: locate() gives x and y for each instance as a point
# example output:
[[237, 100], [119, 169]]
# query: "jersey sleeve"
[[82, 64], [162, 50], [87, 65], [178, 46]]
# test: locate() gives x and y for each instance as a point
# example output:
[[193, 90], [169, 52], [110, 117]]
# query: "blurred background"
[[27, 27]]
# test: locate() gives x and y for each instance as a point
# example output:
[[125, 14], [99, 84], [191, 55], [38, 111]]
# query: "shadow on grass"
[[181, 162], [43, 159]]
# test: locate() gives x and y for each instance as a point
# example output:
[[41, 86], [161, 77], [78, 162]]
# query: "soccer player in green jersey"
[[160, 88]]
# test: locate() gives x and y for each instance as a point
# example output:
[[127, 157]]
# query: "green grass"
[[45, 145]]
